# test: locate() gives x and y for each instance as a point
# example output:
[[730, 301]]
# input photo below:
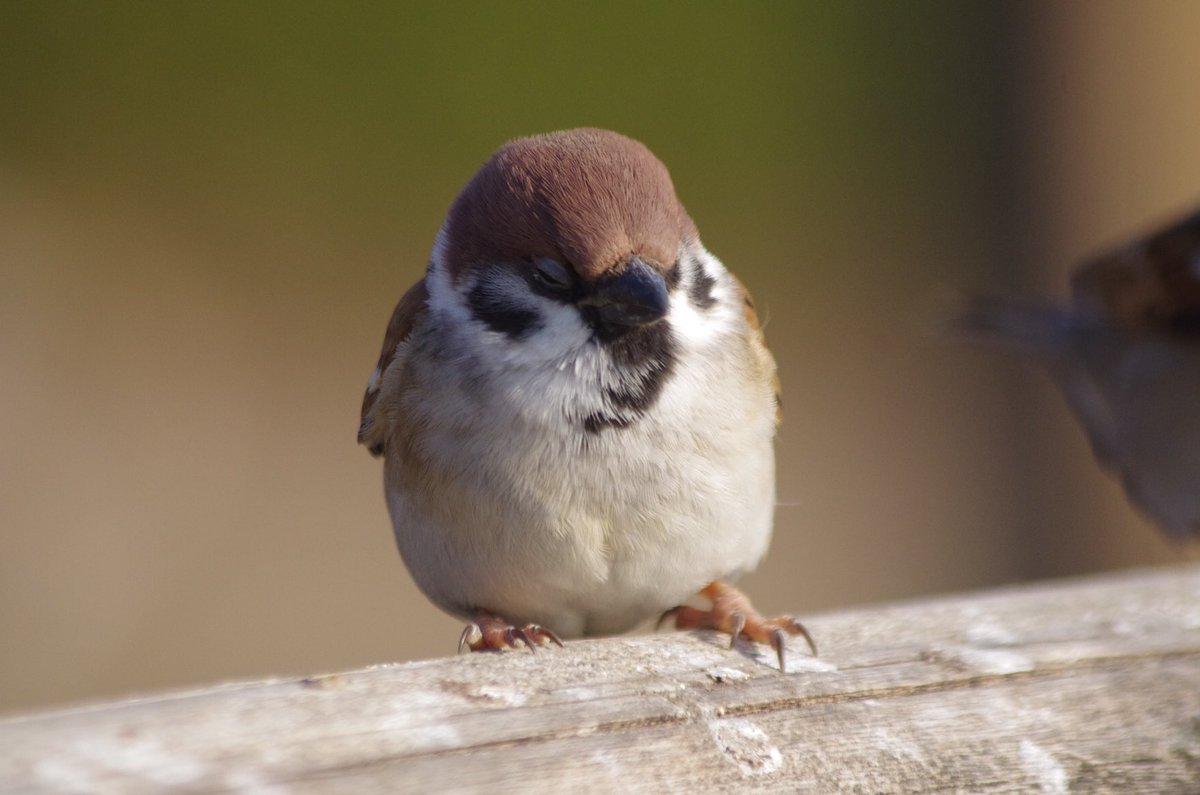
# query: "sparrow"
[[1126, 354], [576, 408]]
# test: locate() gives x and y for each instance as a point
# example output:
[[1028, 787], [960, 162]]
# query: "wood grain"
[[1088, 685]]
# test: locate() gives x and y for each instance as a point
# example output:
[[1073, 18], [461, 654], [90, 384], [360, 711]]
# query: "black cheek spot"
[[672, 277], [512, 321], [700, 291]]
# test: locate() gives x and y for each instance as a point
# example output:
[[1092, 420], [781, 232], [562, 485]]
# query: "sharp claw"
[[463, 639], [739, 623], [512, 635], [800, 629], [549, 633], [779, 643], [499, 636], [732, 613]]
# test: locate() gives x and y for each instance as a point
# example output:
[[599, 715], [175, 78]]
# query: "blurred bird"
[[1126, 354], [576, 407]]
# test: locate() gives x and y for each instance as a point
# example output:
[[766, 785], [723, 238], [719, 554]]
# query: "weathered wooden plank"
[[1087, 685]]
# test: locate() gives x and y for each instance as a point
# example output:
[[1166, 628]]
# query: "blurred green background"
[[207, 212]]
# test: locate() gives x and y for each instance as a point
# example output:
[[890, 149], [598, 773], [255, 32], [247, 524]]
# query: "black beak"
[[637, 296]]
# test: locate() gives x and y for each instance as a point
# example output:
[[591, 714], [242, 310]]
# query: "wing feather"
[[372, 430], [758, 343]]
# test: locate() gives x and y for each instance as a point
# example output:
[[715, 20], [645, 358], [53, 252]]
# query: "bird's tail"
[[1022, 327]]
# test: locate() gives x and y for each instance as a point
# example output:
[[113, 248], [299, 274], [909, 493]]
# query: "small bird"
[[576, 408], [1126, 354]]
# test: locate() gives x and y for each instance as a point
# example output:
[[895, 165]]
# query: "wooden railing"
[[1075, 686]]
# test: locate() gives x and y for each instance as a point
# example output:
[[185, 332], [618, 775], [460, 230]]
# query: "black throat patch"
[[644, 358]]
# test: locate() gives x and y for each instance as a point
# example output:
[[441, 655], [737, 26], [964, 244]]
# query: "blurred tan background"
[[207, 213]]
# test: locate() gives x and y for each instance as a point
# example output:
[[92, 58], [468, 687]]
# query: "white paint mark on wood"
[[503, 695], [1041, 765], [995, 661], [985, 630], [93, 759], [744, 743], [721, 674], [797, 663], [411, 711], [897, 746]]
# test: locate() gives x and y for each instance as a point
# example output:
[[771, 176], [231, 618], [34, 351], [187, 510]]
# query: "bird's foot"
[[732, 613], [490, 631]]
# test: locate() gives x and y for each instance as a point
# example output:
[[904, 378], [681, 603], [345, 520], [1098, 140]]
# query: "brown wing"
[[758, 341], [371, 431], [1153, 283]]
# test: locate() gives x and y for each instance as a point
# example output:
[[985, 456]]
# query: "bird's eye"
[[552, 275]]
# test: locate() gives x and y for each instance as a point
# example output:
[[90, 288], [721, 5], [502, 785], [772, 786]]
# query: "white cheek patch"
[[556, 355], [444, 300], [561, 334], [502, 290], [695, 327], [691, 326], [556, 337]]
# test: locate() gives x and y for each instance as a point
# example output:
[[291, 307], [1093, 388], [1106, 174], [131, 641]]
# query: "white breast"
[[519, 512]]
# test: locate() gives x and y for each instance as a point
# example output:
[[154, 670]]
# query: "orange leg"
[[490, 631], [732, 613]]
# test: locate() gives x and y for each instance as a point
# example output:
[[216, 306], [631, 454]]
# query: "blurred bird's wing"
[[1151, 285], [372, 428], [1066, 343], [1044, 332]]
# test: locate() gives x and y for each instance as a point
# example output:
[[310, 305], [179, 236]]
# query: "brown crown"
[[587, 198]]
